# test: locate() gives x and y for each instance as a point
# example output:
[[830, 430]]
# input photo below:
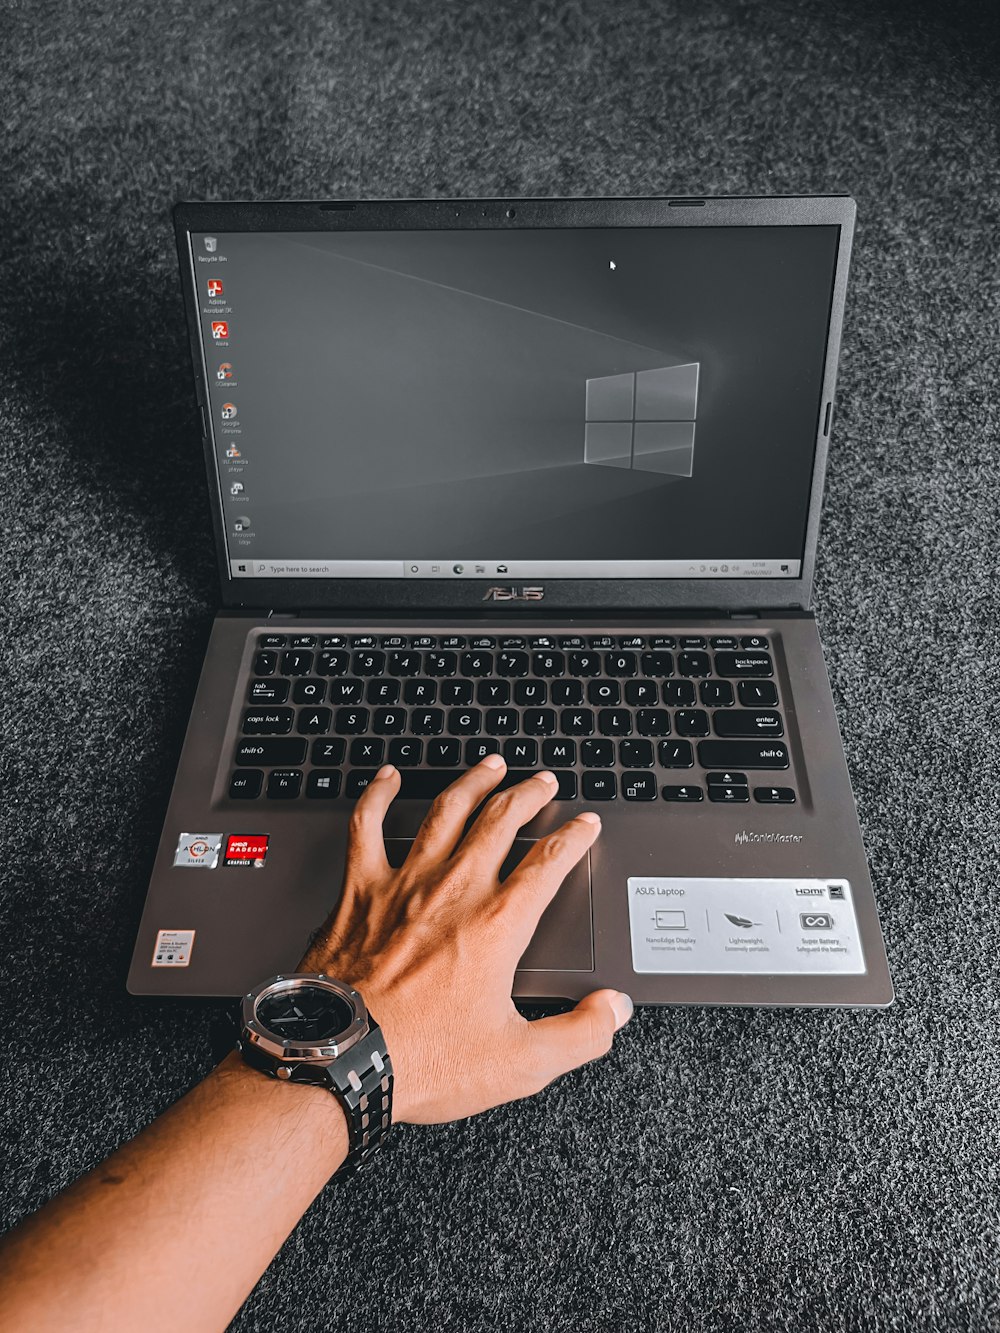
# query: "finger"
[[449, 814], [489, 840], [365, 842], [530, 887], [563, 1042]]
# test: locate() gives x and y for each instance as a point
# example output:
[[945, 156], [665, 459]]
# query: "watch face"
[[307, 1015]]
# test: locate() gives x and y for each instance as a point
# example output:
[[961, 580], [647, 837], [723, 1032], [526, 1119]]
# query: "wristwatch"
[[306, 1027]]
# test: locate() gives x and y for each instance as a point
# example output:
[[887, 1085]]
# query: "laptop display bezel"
[[473, 596]]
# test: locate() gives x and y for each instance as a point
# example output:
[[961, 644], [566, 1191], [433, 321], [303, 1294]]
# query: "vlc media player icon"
[[215, 287], [220, 329]]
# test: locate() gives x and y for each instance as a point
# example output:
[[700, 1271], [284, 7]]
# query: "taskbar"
[[250, 568]]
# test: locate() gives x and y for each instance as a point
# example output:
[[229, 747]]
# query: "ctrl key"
[[245, 785]]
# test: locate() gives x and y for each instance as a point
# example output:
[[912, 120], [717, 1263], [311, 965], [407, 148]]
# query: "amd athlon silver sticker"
[[744, 927], [198, 851]]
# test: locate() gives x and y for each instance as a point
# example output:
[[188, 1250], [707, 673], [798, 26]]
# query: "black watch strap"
[[361, 1079]]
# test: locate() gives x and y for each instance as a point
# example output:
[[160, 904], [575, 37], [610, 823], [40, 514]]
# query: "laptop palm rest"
[[564, 940]]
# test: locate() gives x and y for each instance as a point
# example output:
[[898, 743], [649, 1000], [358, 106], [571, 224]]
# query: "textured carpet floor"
[[721, 1169]]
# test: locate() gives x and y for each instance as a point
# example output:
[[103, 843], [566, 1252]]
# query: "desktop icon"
[[215, 286], [210, 244], [501, 569], [220, 329], [236, 488], [241, 523], [225, 371], [233, 452], [228, 411], [458, 569]]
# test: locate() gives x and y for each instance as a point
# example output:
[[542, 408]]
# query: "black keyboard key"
[[323, 784], [599, 787], [606, 692], [328, 752], [642, 693], [577, 722], [621, 664], [264, 664], [384, 692], [539, 722], [570, 641], [716, 693], [362, 640], [631, 641], [477, 664], [295, 662], [420, 692], [495, 692], [303, 640], [614, 722], [663, 641], [405, 752], [268, 691], [600, 641], [346, 691], [246, 784], [729, 777], [724, 641], [520, 751], [357, 781], [636, 754], [774, 795], [558, 753], [652, 722], [548, 664], [753, 641], [427, 721], [351, 721], [389, 721], [743, 754], [683, 794], [444, 753], [477, 750], [404, 664], [466, 722], [453, 641], [283, 752], [333, 641], [513, 641], [332, 663], [392, 641], [678, 693], [743, 664], [440, 664], [757, 693], [314, 721], [597, 754], [271, 641], [456, 692], [565, 693], [639, 786], [267, 721], [748, 724], [658, 664], [370, 663], [367, 751], [284, 784], [695, 664], [506, 721], [691, 722], [309, 690], [728, 795], [513, 664], [533, 693], [425, 641], [675, 754], [483, 641], [585, 664], [692, 641]]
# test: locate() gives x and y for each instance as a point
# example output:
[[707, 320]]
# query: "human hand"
[[433, 946]]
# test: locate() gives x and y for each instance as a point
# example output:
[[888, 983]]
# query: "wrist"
[[310, 1112]]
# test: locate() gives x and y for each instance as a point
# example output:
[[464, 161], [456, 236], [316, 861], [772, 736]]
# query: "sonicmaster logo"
[[745, 835], [513, 594]]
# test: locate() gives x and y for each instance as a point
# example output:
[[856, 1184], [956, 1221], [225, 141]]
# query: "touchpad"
[[564, 940]]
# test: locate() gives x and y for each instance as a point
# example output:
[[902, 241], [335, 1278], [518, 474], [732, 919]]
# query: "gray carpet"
[[719, 1170]]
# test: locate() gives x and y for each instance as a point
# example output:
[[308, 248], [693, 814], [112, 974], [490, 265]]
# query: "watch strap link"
[[362, 1081]]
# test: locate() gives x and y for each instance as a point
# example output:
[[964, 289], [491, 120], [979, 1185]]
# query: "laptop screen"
[[562, 403]]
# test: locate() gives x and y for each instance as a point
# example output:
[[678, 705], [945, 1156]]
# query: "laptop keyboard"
[[629, 717]]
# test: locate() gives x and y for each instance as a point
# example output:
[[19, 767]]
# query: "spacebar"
[[425, 784]]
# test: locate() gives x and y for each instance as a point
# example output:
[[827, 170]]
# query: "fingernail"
[[623, 1007], [590, 817], [386, 771], [548, 777], [493, 761]]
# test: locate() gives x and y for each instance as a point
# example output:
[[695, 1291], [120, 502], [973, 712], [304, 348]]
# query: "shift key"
[[742, 754], [253, 753]]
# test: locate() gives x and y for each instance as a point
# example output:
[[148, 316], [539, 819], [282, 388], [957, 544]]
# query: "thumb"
[[565, 1041]]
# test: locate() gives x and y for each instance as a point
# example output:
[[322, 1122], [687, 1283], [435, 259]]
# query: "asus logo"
[[513, 594]]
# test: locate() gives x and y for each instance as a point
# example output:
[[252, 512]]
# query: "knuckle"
[[448, 804]]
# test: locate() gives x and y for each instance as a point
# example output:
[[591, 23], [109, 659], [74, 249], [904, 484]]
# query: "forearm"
[[177, 1226]]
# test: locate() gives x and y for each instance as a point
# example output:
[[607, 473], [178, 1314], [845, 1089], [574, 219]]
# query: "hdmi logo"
[[513, 594]]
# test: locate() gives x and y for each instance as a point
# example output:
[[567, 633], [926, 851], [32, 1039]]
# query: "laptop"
[[539, 477]]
